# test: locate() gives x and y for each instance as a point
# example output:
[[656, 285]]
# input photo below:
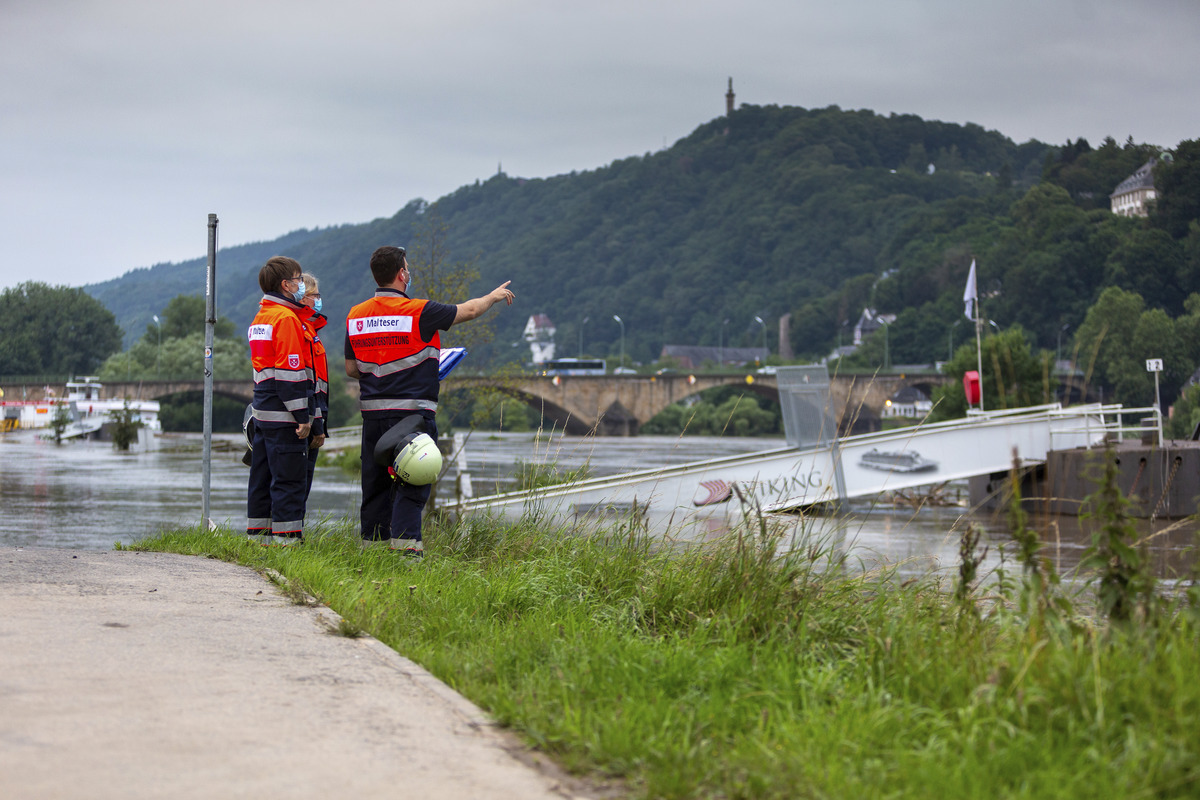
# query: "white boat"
[[896, 461], [84, 405]]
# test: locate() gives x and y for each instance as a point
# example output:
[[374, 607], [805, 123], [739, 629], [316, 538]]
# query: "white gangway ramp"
[[703, 493]]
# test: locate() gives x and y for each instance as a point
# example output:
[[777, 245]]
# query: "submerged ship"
[[86, 411]]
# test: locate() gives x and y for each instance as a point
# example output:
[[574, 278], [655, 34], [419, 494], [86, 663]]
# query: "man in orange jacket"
[[392, 349], [283, 407]]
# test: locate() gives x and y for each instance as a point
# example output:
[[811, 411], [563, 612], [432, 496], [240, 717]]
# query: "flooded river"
[[85, 495]]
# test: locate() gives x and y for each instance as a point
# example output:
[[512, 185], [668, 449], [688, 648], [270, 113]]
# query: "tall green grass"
[[746, 669]]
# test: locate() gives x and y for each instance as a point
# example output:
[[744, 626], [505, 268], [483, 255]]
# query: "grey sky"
[[125, 122]]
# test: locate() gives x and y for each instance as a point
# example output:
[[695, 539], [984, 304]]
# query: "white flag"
[[969, 294]]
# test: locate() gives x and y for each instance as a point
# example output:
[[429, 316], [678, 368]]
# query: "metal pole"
[[887, 350], [766, 352], [210, 326], [622, 324], [979, 350], [1158, 409]]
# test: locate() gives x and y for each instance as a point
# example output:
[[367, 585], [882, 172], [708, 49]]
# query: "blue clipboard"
[[449, 359]]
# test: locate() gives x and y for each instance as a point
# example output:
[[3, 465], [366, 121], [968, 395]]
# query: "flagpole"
[[971, 298], [979, 350]]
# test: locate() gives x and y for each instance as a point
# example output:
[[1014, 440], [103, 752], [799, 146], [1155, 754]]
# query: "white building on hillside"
[[1131, 195], [539, 332]]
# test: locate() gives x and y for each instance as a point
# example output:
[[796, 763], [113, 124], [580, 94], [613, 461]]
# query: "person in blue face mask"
[[314, 321], [283, 409]]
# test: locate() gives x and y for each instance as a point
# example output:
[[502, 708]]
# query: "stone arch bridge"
[[610, 405], [617, 405]]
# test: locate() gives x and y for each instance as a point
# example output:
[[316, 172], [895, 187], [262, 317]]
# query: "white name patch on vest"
[[260, 333], [391, 324]]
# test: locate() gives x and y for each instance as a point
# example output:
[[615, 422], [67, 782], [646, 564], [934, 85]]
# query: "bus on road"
[[574, 366]]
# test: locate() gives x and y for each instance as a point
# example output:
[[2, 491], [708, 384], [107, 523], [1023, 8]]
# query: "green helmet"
[[418, 461]]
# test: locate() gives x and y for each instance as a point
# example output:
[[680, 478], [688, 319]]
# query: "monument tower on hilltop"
[[729, 99]]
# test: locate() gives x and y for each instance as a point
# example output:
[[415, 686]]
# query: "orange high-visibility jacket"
[[282, 358]]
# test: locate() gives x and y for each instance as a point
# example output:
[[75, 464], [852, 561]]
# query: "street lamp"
[[721, 343], [1058, 347], [157, 352], [952, 327], [887, 351], [766, 352], [622, 324], [581, 324]]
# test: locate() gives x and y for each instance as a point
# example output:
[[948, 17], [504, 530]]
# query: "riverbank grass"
[[727, 670]]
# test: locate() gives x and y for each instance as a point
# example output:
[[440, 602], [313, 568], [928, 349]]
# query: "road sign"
[[1153, 365]]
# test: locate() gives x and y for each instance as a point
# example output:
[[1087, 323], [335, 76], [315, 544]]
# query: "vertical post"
[[210, 325], [766, 352], [622, 324], [887, 349], [979, 351], [1155, 365], [157, 352]]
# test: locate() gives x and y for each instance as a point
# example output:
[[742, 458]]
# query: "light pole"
[[887, 351], [1058, 347], [952, 327], [766, 352], [157, 352], [721, 343], [581, 324], [622, 324]]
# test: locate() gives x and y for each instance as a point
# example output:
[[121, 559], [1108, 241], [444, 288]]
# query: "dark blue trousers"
[[277, 491], [390, 509], [313, 452]]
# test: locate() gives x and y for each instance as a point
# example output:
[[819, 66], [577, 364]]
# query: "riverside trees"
[[54, 330]]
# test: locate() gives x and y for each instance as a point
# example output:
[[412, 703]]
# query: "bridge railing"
[[1111, 420]]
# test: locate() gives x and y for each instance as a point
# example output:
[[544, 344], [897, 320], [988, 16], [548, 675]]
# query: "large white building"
[[1130, 197]]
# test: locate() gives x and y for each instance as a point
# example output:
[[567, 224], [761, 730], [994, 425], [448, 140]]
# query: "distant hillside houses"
[[909, 402], [869, 322], [1130, 197]]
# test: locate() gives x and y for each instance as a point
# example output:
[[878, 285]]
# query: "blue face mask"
[[317, 305], [298, 295]]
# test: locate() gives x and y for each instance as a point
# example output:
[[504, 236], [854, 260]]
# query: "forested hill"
[[768, 211]]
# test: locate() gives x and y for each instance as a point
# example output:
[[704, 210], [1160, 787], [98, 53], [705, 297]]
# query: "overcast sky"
[[124, 123]]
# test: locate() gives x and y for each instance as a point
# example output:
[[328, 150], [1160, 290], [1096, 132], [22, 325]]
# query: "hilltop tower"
[[729, 99]]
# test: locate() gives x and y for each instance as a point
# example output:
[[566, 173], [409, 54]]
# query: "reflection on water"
[[85, 495]]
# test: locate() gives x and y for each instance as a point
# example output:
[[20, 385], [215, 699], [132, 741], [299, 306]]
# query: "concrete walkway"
[[139, 675]]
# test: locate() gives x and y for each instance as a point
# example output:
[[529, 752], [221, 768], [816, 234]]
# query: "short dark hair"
[[277, 270], [386, 263]]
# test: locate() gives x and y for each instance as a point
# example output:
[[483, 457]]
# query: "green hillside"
[[770, 211]]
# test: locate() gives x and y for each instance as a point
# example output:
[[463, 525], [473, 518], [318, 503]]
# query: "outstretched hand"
[[502, 292]]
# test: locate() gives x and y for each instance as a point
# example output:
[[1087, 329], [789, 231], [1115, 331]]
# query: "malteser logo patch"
[[293, 361], [260, 333], [369, 325]]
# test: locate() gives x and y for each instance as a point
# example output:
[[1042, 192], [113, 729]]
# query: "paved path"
[[139, 675]]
